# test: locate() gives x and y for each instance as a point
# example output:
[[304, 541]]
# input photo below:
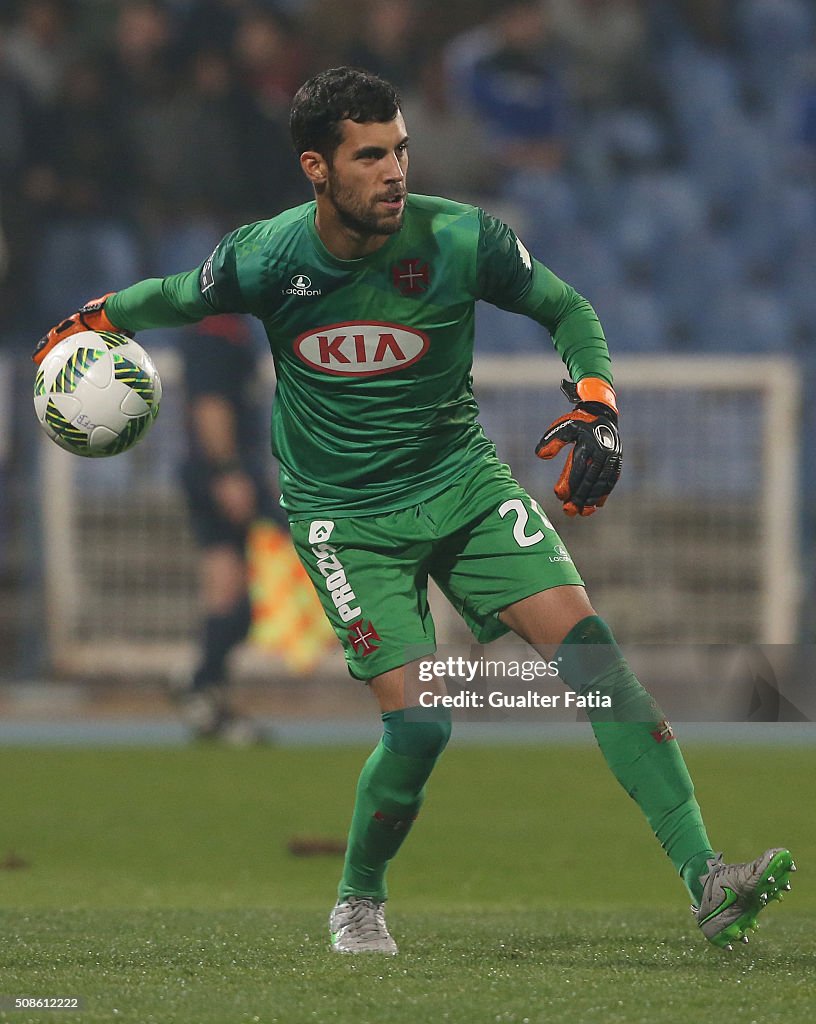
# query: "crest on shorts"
[[664, 732], [362, 636]]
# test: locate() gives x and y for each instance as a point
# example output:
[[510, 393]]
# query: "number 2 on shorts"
[[524, 540]]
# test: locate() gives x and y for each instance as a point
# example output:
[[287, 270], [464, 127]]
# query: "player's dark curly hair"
[[337, 95]]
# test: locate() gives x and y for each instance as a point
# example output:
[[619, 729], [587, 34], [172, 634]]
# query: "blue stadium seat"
[[585, 259], [703, 87], [633, 319], [775, 220], [80, 259], [747, 320], [697, 266], [499, 331], [733, 160], [184, 245], [655, 211], [550, 202], [626, 140], [798, 288], [773, 35]]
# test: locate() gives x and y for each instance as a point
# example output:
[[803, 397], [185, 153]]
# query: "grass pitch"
[[157, 885]]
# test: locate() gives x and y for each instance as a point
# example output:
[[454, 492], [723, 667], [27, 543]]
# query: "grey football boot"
[[357, 925], [734, 894]]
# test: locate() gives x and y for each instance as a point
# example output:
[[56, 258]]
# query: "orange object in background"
[[287, 618]]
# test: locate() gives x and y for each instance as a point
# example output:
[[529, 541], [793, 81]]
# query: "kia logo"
[[361, 349]]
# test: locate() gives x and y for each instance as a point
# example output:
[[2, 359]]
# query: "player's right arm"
[[509, 277], [172, 301]]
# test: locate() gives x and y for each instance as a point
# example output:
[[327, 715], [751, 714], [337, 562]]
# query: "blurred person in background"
[[144, 42], [208, 23], [78, 187], [226, 481], [144, 71], [17, 123], [391, 41], [804, 124], [19, 118], [509, 76], [516, 88], [269, 57], [39, 46], [78, 146], [711, 22], [439, 126], [191, 144], [606, 48]]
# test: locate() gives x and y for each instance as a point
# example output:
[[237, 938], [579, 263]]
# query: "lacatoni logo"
[[301, 285], [361, 350], [332, 571]]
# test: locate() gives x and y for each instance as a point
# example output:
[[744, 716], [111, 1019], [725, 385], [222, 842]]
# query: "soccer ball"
[[97, 393]]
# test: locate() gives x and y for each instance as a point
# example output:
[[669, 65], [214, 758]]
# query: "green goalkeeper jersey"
[[374, 409]]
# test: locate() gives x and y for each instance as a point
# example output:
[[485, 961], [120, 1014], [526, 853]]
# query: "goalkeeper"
[[367, 296]]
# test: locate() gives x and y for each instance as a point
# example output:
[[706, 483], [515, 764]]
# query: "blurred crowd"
[[659, 154]]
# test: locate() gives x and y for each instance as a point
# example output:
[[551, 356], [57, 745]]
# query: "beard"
[[360, 218]]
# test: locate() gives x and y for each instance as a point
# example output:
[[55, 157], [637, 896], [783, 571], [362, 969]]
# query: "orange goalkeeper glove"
[[91, 317], [593, 467]]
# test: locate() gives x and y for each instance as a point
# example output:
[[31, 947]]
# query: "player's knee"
[[590, 660], [590, 631], [417, 732], [432, 737], [588, 654]]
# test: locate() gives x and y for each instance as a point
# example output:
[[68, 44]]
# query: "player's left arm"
[[509, 277], [209, 289], [155, 302]]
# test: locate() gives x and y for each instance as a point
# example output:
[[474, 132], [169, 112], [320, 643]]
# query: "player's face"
[[366, 178]]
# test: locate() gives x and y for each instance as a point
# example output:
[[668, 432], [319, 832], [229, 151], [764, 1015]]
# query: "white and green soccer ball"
[[97, 393]]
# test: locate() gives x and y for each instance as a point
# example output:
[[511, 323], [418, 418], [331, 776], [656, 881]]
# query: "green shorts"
[[484, 541]]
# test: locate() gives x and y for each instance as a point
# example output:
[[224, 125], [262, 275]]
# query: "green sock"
[[639, 747], [390, 792]]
